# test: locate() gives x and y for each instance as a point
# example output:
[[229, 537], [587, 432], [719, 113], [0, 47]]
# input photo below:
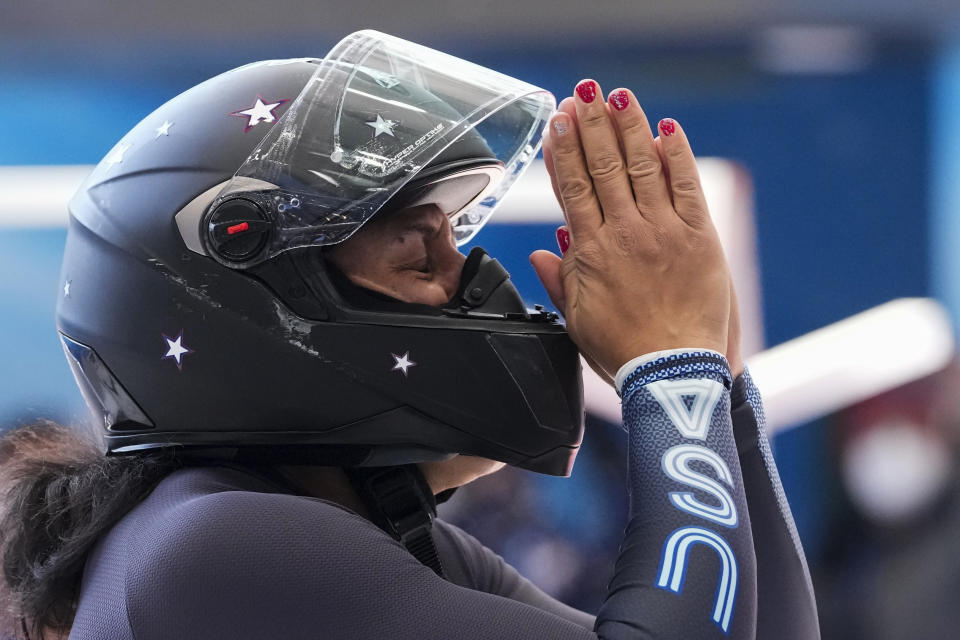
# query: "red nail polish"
[[563, 239], [668, 126], [620, 99], [587, 90]]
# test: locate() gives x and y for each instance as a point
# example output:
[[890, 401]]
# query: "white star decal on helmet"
[[382, 126], [116, 154], [383, 79], [260, 112], [176, 349], [402, 363]]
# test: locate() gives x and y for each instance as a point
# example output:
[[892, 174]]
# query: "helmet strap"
[[401, 503]]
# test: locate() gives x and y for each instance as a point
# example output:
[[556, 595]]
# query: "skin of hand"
[[733, 335], [410, 255], [734, 357], [644, 270]]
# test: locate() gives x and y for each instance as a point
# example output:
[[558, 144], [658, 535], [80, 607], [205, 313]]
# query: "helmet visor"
[[378, 113]]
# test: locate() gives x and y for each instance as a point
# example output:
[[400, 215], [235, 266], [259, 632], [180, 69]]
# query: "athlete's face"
[[410, 255]]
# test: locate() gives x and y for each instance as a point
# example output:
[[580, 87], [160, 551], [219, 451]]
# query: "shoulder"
[[233, 559], [215, 514], [466, 560]]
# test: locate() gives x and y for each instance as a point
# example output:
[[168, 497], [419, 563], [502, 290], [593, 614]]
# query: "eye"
[[422, 266], [413, 261]]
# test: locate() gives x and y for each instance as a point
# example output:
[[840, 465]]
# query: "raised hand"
[[642, 267]]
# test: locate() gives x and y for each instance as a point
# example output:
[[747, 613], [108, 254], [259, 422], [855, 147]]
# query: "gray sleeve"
[[469, 563], [786, 606]]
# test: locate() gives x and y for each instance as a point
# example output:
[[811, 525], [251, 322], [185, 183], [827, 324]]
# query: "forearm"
[[686, 567], [786, 605]]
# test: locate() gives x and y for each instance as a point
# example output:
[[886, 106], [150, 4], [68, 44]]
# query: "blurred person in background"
[[891, 570], [332, 367]]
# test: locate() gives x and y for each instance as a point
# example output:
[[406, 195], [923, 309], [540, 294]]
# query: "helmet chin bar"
[[485, 289]]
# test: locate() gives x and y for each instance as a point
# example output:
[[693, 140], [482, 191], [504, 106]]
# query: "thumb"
[[547, 267]]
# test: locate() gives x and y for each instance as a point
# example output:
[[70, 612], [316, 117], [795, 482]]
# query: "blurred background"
[[833, 137]]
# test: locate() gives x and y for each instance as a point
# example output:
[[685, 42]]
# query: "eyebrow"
[[422, 227]]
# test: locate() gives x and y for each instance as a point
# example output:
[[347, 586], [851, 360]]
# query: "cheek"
[[404, 243], [419, 288], [478, 467]]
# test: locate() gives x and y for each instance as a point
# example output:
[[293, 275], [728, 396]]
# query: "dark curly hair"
[[59, 494]]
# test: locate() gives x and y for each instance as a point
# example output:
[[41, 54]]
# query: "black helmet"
[[197, 308]]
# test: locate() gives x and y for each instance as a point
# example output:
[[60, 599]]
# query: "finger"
[[547, 267], [566, 106], [666, 168], [601, 148], [548, 163], [663, 161], [688, 198], [580, 202], [644, 167]]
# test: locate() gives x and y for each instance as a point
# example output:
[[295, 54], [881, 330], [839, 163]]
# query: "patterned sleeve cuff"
[[678, 363], [639, 361]]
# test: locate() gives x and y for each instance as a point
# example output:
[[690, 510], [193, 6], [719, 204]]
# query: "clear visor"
[[379, 113]]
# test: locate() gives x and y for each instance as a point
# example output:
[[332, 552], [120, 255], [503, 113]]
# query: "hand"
[[733, 335], [733, 328], [644, 269]]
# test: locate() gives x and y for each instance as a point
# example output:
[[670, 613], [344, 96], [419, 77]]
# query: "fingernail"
[[563, 239], [587, 90], [620, 99], [668, 126], [560, 126]]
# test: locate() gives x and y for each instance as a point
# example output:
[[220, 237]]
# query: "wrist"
[[669, 363], [736, 366], [666, 345]]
